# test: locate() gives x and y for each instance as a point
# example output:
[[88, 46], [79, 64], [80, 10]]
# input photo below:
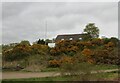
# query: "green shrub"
[[17, 53]]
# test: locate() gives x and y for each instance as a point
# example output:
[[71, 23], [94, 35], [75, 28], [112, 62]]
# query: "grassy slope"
[[96, 67]]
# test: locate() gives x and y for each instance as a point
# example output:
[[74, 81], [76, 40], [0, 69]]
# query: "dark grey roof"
[[68, 36]]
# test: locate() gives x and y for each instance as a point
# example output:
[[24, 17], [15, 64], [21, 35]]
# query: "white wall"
[[51, 45]]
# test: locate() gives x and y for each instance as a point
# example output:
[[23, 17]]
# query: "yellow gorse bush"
[[87, 52]]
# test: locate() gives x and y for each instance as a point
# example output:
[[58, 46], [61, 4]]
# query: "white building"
[[51, 45]]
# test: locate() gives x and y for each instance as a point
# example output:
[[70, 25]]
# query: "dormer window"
[[80, 38], [62, 39], [71, 39]]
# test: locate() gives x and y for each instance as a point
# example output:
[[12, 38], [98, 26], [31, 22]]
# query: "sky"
[[28, 20]]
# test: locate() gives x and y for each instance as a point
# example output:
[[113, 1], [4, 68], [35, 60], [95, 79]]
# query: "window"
[[71, 38], [62, 39], [80, 38]]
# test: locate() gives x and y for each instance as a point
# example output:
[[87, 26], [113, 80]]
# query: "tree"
[[92, 30], [48, 41], [25, 42], [41, 41], [114, 40]]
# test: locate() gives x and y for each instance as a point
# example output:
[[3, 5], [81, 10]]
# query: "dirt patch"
[[16, 75]]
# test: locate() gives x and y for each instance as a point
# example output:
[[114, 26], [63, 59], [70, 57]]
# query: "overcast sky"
[[26, 20]]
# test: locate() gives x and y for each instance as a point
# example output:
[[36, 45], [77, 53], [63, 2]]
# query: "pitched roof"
[[68, 36]]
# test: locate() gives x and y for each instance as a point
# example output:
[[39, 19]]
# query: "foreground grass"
[[96, 67], [105, 67], [48, 69], [93, 77], [111, 76]]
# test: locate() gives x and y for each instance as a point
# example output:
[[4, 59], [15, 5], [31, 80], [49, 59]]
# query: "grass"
[[95, 67], [105, 67], [111, 76], [50, 69], [99, 76]]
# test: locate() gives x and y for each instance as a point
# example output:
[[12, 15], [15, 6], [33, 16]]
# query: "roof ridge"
[[70, 34]]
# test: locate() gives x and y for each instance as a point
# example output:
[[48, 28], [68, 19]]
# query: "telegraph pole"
[[45, 31]]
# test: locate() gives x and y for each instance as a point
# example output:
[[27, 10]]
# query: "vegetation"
[[41, 41], [92, 30], [68, 56], [99, 77], [0, 49]]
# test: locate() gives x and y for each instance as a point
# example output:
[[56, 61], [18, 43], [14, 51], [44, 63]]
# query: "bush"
[[66, 59], [54, 63], [87, 52], [39, 49], [67, 47], [97, 41], [106, 56], [62, 60], [17, 53], [35, 62]]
